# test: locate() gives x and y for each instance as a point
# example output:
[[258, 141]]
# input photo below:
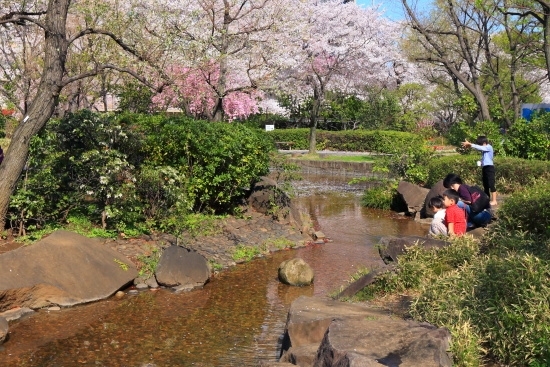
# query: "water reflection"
[[236, 320]]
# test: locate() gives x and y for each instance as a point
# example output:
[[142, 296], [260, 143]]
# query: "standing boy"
[[487, 166], [455, 217]]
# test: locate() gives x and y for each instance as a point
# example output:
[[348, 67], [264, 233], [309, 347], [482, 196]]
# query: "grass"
[[149, 263], [337, 158], [245, 253]]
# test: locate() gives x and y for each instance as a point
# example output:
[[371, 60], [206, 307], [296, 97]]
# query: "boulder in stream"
[[183, 268], [322, 332], [295, 272], [63, 269], [413, 195]]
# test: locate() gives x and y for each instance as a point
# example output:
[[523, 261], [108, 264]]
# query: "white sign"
[[269, 127]]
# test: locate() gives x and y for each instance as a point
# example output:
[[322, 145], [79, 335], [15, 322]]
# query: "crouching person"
[[455, 217], [438, 226]]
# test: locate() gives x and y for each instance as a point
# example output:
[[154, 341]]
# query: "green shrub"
[[500, 297], [40, 196], [511, 174], [410, 164], [529, 139], [219, 160], [461, 131], [527, 210], [417, 265], [135, 172], [383, 196]]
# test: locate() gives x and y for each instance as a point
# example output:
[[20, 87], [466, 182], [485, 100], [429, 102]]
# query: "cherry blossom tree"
[[191, 90], [226, 51], [341, 47]]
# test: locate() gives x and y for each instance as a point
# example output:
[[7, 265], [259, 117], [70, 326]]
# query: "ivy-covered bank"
[[135, 173]]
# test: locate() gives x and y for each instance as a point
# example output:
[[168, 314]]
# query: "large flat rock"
[[392, 247], [62, 269], [321, 332], [371, 342], [309, 318], [413, 195]]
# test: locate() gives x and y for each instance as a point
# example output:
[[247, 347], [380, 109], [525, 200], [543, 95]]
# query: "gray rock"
[[16, 313], [362, 282], [388, 342], [318, 235], [413, 195], [141, 286], [183, 288], [152, 282], [309, 318], [437, 189], [180, 266], [303, 355], [266, 194], [344, 334], [295, 272], [3, 329], [392, 247], [62, 269], [275, 364]]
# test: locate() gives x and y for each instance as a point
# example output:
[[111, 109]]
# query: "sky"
[[393, 9]]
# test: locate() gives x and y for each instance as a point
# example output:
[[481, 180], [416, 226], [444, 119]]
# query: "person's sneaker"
[[470, 225]]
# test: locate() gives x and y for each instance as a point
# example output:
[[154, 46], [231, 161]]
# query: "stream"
[[237, 319]]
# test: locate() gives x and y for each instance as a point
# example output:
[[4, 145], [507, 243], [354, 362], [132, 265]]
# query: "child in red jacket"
[[455, 217]]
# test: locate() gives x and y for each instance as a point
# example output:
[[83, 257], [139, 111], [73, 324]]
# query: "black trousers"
[[488, 176]]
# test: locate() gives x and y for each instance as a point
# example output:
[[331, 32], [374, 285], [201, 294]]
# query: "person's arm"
[[451, 229], [481, 148], [464, 194]]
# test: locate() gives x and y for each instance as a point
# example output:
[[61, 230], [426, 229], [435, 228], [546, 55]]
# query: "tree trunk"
[[42, 107], [317, 96], [546, 28], [224, 52]]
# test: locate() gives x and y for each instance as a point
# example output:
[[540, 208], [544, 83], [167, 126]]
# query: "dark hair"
[[450, 179], [436, 202], [451, 194], [482, 139]]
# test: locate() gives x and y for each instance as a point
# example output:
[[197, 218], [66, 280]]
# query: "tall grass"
[[493, 295]]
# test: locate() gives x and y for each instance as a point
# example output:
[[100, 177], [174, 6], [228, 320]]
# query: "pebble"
[[120, 294], [54, 308]]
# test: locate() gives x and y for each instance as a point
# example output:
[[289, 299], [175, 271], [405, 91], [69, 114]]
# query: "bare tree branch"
[[21, 17]]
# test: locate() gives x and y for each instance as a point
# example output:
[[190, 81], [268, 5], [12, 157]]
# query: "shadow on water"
[[236, 320]]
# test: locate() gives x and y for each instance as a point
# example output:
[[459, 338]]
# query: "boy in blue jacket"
[[487, 166]]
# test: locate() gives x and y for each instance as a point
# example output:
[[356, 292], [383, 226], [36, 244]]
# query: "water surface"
[[236, 320]]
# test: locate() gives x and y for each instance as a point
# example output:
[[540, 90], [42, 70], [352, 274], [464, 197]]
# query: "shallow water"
[[236, 320]]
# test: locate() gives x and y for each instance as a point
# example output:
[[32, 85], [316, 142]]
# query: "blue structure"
[[528, 109]]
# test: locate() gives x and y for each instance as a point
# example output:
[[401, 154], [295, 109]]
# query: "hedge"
[[349, 140], [511, 173]]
